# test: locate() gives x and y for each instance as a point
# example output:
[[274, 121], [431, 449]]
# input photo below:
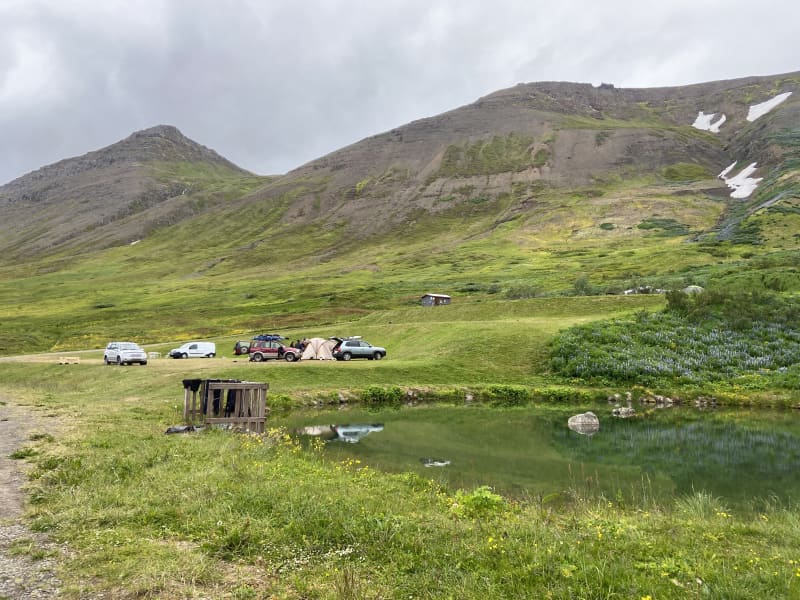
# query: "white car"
[[124, 353], [195, 350]]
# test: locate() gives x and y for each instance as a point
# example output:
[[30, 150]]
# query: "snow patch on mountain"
[[704, 122], [742, 184], [759, 110]]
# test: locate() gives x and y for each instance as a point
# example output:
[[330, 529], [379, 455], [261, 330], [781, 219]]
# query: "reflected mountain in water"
[[341, 433]]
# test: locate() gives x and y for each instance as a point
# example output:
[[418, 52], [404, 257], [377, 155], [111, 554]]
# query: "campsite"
[[155, 517]]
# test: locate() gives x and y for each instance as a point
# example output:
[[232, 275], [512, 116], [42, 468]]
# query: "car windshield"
[[129, 346]]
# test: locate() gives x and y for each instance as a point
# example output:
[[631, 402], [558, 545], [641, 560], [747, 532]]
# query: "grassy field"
[[222, 515]]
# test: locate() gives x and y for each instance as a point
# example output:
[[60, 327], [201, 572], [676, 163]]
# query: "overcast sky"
[[273, 84]]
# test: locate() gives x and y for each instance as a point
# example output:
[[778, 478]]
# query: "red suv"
[[261, 350]]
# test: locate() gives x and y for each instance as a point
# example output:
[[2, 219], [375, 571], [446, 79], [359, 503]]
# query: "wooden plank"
[[234, 419], [221, 385]]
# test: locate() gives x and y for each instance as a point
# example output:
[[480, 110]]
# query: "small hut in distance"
[[435, 299]]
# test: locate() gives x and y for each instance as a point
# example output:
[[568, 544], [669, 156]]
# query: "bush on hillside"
[[713, 336], [686, 172]]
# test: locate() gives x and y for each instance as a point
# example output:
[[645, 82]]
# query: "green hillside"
[[541, 190], [545, 211]]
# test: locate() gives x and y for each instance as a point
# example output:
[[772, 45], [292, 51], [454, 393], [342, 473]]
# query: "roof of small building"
[[436, 295]]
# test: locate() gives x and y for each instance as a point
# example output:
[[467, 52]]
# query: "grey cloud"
[[273, 84]]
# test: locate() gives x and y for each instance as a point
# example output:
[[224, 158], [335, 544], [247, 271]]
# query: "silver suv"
[[355, 347], [124, 353]]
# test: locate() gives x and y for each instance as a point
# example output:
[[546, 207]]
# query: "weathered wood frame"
[[249, 405]]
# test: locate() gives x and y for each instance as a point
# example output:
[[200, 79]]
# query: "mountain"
[[111, 196], [527, 141], [542, 189], [507, 151]]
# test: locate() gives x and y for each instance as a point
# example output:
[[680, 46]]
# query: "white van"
[[195, 350]]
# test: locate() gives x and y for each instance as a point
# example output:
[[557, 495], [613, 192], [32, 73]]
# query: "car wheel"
[[143, 363], [119, 361], [258, 357], [347, 356], [212, 355], [289, 357], [106, 361], [184, 355], [377, 356]]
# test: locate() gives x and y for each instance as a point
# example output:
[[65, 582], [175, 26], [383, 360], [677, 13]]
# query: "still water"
[[738, 455]]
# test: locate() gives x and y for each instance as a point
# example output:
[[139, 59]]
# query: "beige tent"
[[319, 349]]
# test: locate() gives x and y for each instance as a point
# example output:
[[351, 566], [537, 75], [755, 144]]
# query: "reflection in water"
[[434, 462], [341, 433], [585, 423], [737, 455]]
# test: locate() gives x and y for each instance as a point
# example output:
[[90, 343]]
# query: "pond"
[[738, 455]]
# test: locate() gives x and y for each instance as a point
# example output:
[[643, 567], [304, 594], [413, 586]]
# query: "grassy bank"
[[223, 515]]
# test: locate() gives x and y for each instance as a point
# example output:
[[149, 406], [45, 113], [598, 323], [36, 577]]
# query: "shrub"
[[519, 292], [505, 395], [714, 336], [376, 395], [582, 287], [481, 502], [279, 403], [666, 227], [686, 172]]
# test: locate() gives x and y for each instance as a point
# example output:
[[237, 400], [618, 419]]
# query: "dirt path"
[[28, 560]]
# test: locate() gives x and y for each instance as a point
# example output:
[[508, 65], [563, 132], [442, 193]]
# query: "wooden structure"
[[69, 360], [435, 299], [239, 405]]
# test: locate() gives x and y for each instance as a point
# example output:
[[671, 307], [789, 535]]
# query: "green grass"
[[251, 272], [225, 515], [220, 514]]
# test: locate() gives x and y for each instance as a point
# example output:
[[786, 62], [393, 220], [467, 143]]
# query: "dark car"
[[355, 347], [261, 350]]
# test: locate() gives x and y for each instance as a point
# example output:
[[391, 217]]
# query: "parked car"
[[241, 347], [261, 350], [195, 350], [355, 347], [124, 353]]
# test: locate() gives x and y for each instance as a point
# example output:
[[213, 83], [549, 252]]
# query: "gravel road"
[[23, 574]]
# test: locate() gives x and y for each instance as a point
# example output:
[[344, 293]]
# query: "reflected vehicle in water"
[[342, 433]]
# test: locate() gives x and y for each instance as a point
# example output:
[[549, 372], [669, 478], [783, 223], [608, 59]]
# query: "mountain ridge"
[[108, 196], [520, 143]]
